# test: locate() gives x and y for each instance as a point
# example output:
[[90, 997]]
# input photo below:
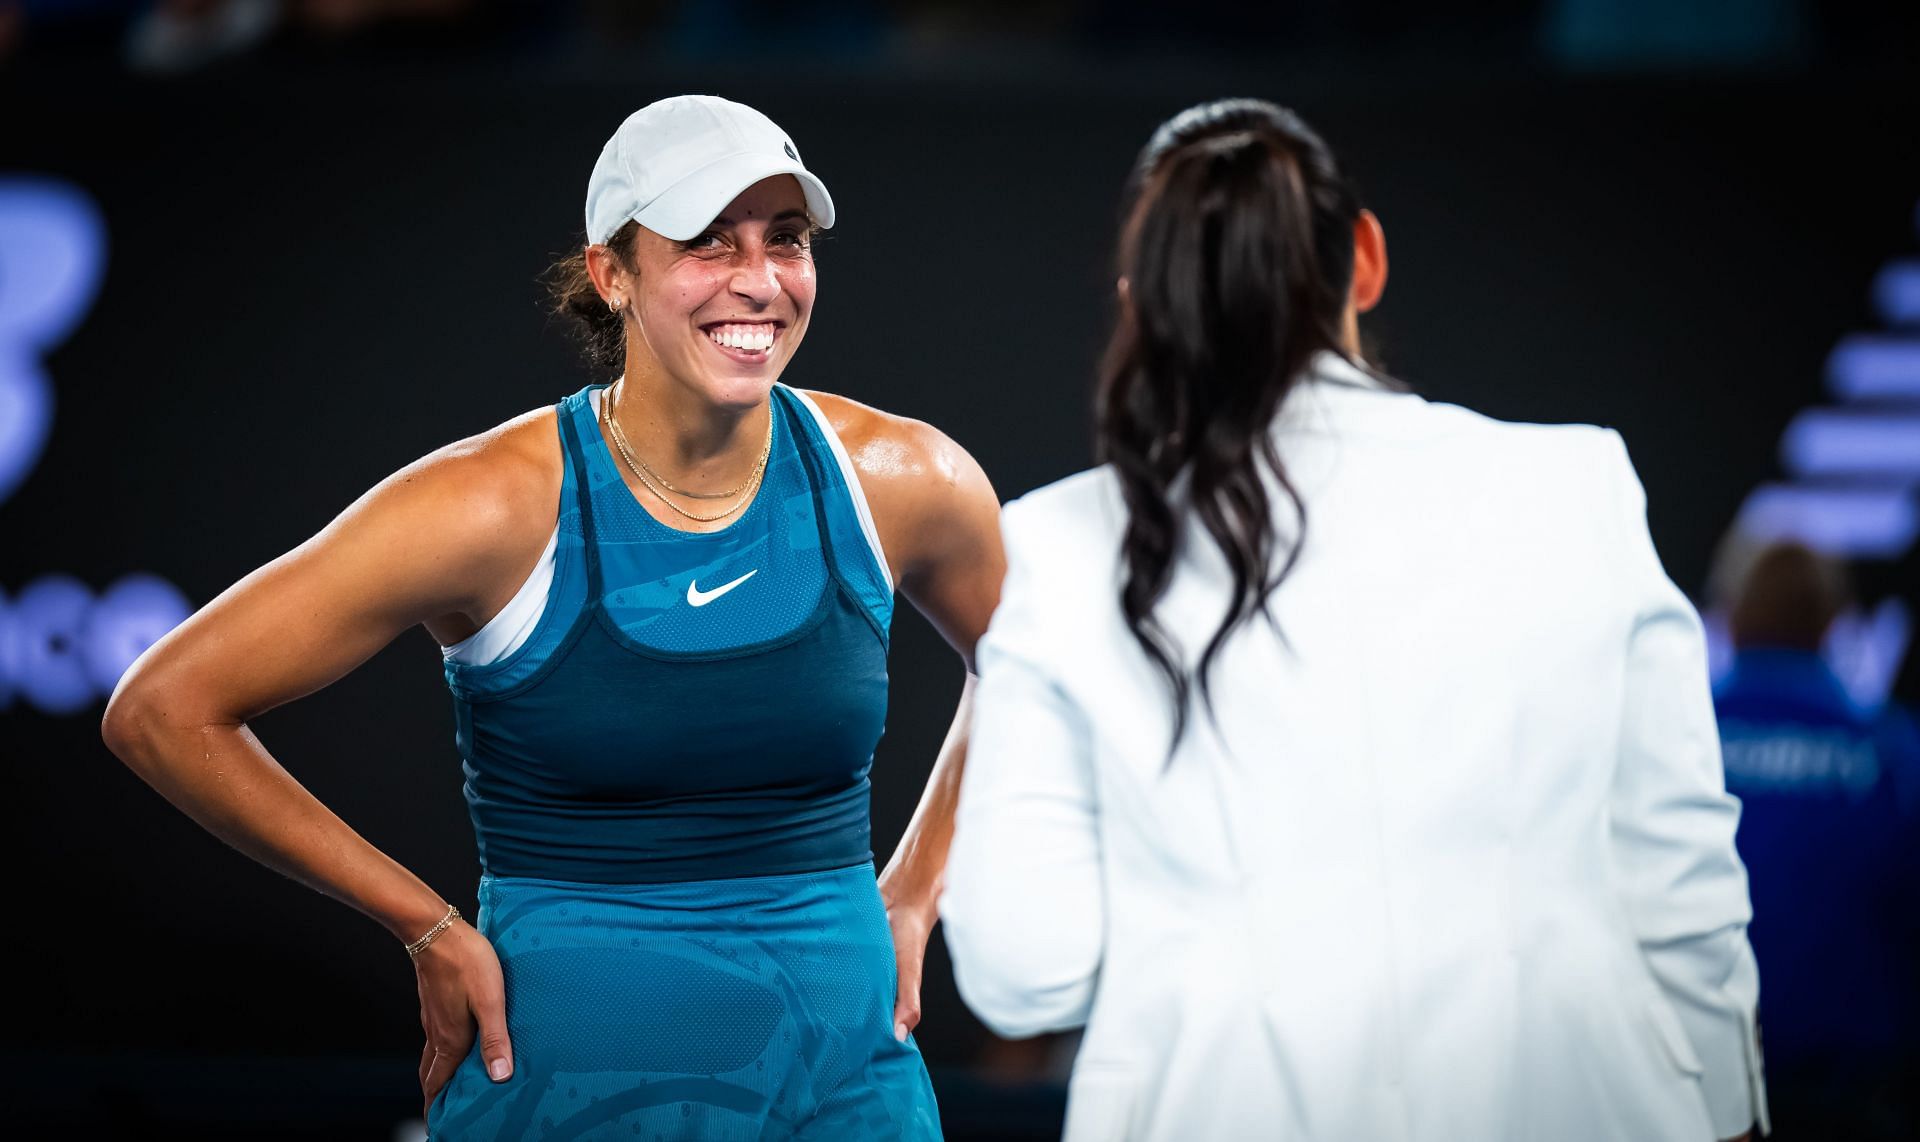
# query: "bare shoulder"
[[936, 511], [510, 470], [893, 454], [474, 511], [435, 543]]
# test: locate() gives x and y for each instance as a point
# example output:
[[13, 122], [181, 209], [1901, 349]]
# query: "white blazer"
[[1454, 862]]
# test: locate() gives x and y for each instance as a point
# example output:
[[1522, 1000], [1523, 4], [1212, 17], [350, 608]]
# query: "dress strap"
[[817, 483], [852, 550], [823, 436], [583, 489]]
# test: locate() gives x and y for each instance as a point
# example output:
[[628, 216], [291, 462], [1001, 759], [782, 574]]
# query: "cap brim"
[[687, 207]]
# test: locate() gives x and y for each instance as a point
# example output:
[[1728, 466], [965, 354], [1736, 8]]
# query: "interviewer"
[[1343, 761]]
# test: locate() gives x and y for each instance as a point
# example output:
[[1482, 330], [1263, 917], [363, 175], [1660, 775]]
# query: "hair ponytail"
[[1237, 255], [602, 332]]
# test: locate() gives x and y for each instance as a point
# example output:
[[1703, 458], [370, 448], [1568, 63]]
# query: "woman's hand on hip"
[[912, 925], [461, 993]]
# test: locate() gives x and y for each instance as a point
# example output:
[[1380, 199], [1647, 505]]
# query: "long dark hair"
[[1236, 254]]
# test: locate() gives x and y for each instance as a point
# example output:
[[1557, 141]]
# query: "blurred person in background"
[[1344, 762], [1828, 834], [664, 607]]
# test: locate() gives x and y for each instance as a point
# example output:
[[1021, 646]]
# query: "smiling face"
[[721, 314]]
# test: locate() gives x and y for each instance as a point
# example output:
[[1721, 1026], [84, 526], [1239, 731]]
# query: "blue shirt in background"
[[1826, 832]]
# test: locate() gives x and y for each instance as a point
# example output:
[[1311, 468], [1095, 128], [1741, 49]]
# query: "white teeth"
[[754, 338]]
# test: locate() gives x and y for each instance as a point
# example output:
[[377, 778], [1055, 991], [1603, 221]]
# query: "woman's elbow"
[[137, 716], [129, 711], [1016, 981], [1016, 1008]]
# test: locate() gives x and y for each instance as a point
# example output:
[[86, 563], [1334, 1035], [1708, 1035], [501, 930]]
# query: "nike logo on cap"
[[701, 598]]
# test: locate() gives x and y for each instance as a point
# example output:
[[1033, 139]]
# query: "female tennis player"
[[1379, 797], [665, 605]]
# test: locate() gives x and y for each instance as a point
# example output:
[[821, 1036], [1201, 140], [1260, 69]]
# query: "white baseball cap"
[[674, 165]]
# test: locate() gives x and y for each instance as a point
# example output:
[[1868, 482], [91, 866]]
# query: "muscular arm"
[[434, 543], [939, 522]]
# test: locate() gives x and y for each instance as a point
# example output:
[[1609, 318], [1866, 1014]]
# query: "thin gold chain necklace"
[[626, 450], [659, 486]]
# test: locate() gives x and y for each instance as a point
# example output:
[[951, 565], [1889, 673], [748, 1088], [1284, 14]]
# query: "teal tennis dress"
[[668, 782]]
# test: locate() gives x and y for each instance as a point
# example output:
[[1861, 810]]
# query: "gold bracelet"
[[433, 933]]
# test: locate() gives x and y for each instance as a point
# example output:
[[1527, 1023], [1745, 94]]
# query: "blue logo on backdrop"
[[1857, 471], [61, 648]]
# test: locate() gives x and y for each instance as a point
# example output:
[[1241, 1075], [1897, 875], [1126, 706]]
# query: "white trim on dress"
[[852, 477]]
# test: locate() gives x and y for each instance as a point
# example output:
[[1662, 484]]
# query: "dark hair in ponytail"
[[601, 331], [1236, 251]]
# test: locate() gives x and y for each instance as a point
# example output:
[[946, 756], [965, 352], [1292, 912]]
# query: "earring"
[[616, 304]]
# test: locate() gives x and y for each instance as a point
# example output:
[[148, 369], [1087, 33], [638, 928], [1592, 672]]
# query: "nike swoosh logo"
[[701, 598]]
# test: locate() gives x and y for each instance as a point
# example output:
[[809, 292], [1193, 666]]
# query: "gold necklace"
[[626, 451], [648, 478]]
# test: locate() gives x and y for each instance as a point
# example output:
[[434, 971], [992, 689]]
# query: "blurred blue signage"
[[1855, 487], [62, 648]]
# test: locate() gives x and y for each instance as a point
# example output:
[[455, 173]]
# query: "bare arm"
[[913, 876], [950, 567], [939, 522], [415, 548], [433, 543]]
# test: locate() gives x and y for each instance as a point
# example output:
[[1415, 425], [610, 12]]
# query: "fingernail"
[[499, 1069], [900, 1032]]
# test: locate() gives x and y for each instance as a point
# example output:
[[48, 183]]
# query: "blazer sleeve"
[[1672, 826], [1023, 909]]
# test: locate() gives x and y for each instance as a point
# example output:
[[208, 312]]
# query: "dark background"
[[322, 264]]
